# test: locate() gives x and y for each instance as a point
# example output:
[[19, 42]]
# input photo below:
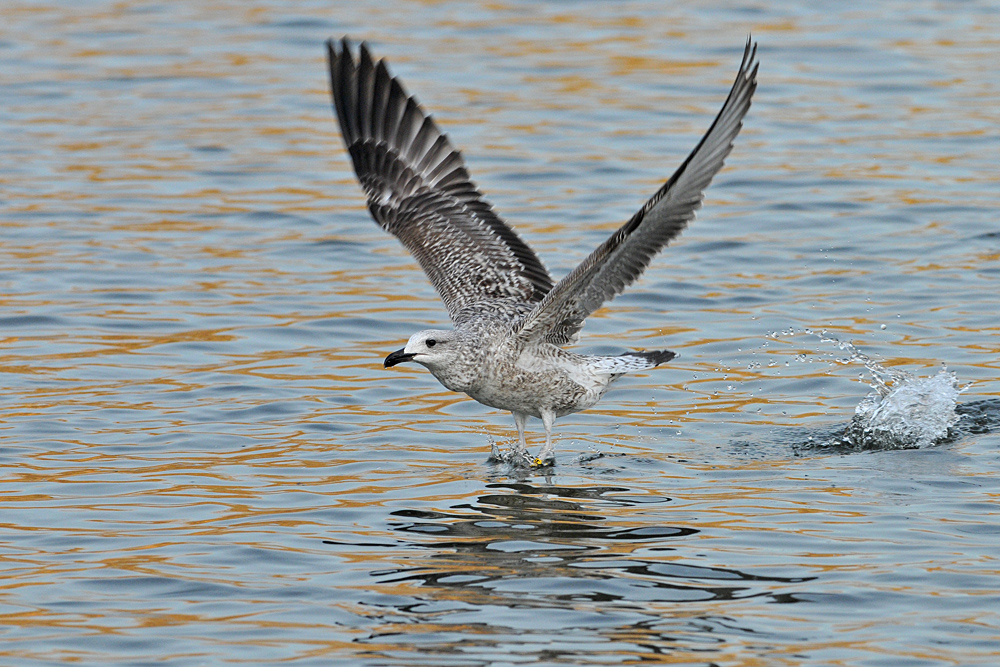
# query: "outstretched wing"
[[419, 190], [623, 257]]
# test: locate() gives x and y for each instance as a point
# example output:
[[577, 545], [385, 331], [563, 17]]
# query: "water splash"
[[510, 455], [912, 412], [903, 411]]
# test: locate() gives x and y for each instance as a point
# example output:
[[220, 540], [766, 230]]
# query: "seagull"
[[511, 321]]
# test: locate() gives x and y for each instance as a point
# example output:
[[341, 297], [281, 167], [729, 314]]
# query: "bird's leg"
[[545, 456], [521, 420]]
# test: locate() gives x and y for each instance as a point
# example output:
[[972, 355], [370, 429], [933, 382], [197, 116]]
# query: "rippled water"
[[203, 461]]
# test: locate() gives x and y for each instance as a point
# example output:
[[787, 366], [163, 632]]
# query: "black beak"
[[398, 357]]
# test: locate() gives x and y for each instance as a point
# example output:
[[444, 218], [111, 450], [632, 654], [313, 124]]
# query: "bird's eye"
[[431, 342]]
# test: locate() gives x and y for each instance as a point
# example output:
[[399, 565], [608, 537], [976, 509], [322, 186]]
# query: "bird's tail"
[[650, 359], [631, 361]]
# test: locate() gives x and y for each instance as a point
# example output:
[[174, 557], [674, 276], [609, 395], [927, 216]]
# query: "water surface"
[[204, 462]]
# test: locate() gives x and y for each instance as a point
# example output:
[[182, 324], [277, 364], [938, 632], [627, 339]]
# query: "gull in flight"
[[511, 320]]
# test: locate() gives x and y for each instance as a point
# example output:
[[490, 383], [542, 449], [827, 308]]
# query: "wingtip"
[[337, 48], [749, 55]]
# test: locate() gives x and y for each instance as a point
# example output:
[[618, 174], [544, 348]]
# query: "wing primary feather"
[[347, 87], [435, 154], [409, 125], [394, 111], [380, 100], [335, 87], [422, 142], [365, 92]]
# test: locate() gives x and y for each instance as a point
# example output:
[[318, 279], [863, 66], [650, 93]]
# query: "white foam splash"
[[912, 412], [903, 411]]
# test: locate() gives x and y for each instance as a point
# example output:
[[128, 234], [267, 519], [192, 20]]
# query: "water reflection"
[[531, 558]]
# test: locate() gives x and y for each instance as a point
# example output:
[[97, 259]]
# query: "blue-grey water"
[[203, 462]]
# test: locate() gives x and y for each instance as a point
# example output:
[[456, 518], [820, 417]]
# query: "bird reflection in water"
[[534, 560]]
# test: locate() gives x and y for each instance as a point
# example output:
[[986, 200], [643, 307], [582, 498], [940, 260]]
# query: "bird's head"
[[432, 348]]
